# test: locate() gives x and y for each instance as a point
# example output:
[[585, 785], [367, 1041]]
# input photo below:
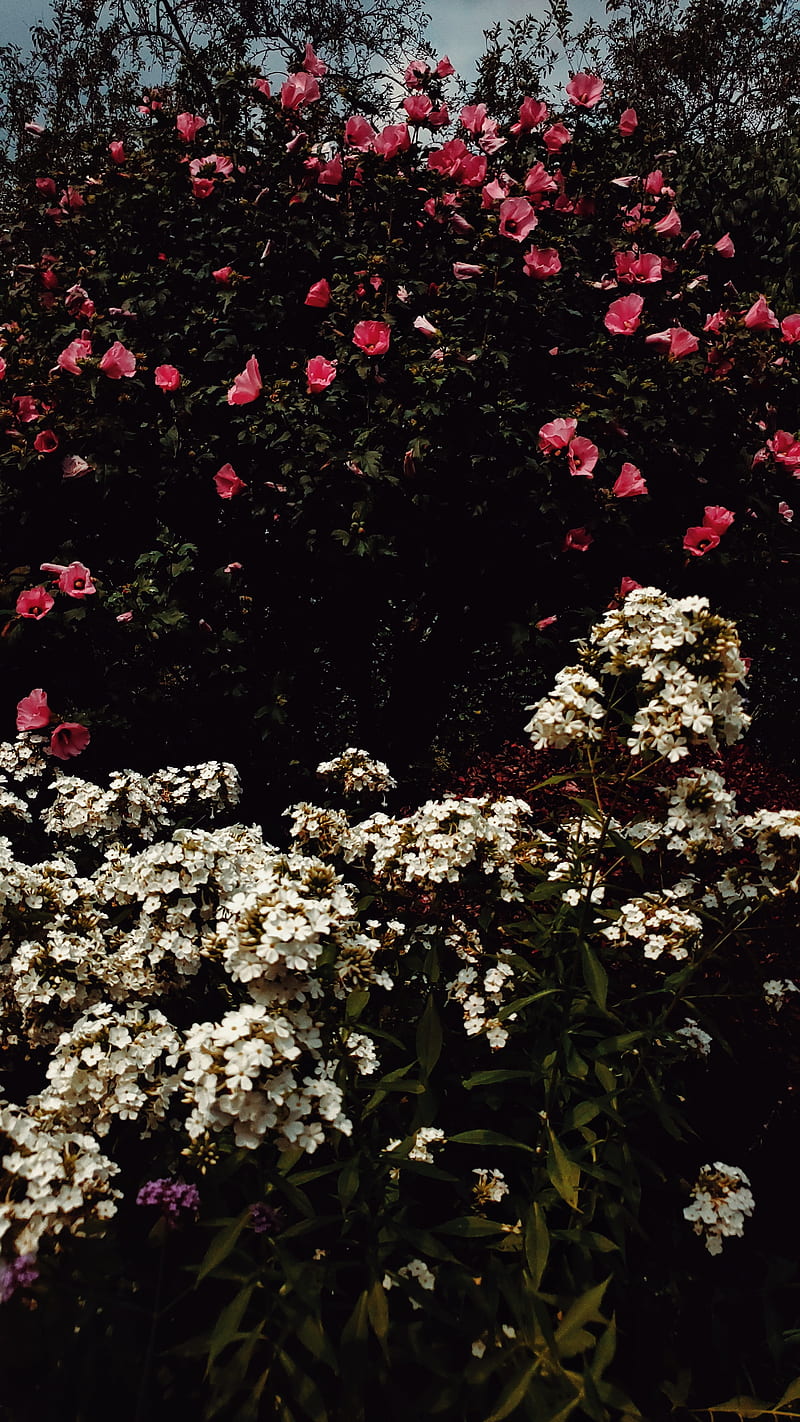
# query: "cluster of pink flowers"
[[699, 539], [67, 739], [560, 435], [74, 579]]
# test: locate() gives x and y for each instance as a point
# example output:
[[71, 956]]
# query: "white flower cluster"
[[417, 1270], [422, 1139], [701, 815], [482, 993], [776, 837], [694, 1038], [141, 804], [720, 1200], [354, 772], [55, 1179], [490, 1187], [684, 661], [778, 991], [658, 924]]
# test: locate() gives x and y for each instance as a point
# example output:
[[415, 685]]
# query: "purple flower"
[[19, 1274], [264, 1218], [174, 1198]]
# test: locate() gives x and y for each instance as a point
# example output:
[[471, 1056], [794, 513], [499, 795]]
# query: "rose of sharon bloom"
[[517, 219], [444, 68], [319, 294], [262, 86], [538, 182], [394, 138], [167, 377], [585, 90], [462, 271], [117, 151], [577, 541], [541, 262], [69, 739], [556, 137], [785, 511], [629, 483], [760, 317], [223, 276], [74, 579], [698, 541], [46, 442], [373, 337], [725, 246], [202, 187], [118, 361], [299, 89], [228, 482], [678, 341], [33, 711], [790, 328], [669, 225], [359, 133], [624, 315], [247, 386], [582, 456], [785, 449], [211, 166], [189, 125], [416, 72], [717, 518], [473, 117], [312, 64], [556, 435], [417, 106], [425, 327], [320, 373], [628, 122], [330, 174], [3, 368], [79, 349], [644, 267], [34, 602], [74, 466], [532, 112]]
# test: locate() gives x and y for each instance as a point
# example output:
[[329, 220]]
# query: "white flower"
[[720, 1200]]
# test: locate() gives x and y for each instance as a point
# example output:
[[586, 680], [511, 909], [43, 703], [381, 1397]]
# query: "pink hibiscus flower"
[[585, 90], [320, 373], [628, 122], [34, 602], [700, 540], [33, 711], [167, 377], [74, 579], [629, 483], [556, 435], [372, 337], [46, 442], [541, 262], [68, 740], [247, 386], [118, 361], [577, 540], [760, 317], [582, 456], [189, 125], [228, 482], [623, 316], [517, 219], [299, 90]]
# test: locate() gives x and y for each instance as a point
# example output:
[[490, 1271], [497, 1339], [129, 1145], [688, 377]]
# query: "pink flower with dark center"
[[319, 294], [556, 137], [623, 316], [299, 90], [538, 182], [760, 317], [313, 64], [517, 219], [677, 340], [228, 482], [669, 225], [79, 349], [532, 112], [725, 246], [417, 106], [247, 386], [117, 151], [541, 262], [189, 125], [416, 73], [74, 579], [213, 165], [394, 138], [785, 449], [582, 457], [577, 540], [717, 518], [74, 467], [698, 541], [46, 442], [167, 377], [556, 435], [628, 122], [118, 361], [585, 90], [68, 740], [790, 328], [372, 337], [34, 602], [320, 373], [629, 483], [33, 711], [642, 267], [223, 276], [359, 133]]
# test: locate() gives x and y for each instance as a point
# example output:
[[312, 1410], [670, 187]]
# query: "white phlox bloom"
[[354, 772], [778, 991], [50, 1180], [721, 1199], [694, 1038], [657, 923]]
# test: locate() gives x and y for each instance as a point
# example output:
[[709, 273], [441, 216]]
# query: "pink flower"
[[785, 511], [425, 327], [629, 483], [556, 435], [556, 137], [462, 271], [715, 321], [577, 540], [624, 315], [80, 349], [228, 482], [760, 317], [447, 160], [46, 442], [725, 246], [785, 449], [439, 118], [124, 617], [3, 369], [473, 117], [202, 187], [319, 294], [627, 585], [698, 541], [417, 106], [359, 133], [582, 456], [71, 198], [517, 219], [46, 186], [330, 174], [33, 711], [299, 90], [444, 68], [394, 138], [74, 579], [669, 225], [677, 339], [118, 361], [68, 739], [320, 373], [247, 386], [373, 337], [73, 467], [790, 328], [34, 602], [26, 409], [415, 74], [312, 64], [532, 112], [644, 267], [545, 622], [628, 122], [223, 276], [262, 85], [585, 90], [717, 518], [211, 166], [654, 182], [167, 377], [541, 262], [189, 125], [538, 182], [117, 151]]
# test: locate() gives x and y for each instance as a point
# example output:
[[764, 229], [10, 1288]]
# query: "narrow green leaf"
[[513, 1393], [429, 1037], [565, 1174], [571, 1337], [594, 976], [488, 1138], [378, 1310], [222, 1245], [227, 1325], [537, 1244]]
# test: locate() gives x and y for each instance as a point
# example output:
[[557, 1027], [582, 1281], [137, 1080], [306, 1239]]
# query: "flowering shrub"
[[286, 384], [412, 1098]]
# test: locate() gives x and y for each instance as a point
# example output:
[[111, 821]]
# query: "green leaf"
[[470, 1227], [348, 1181], [227, 1325], [429, 1037], [513, 1393], [222, 1244], [303, 1388], [594, 976], [355, 1329], [565, 1174], [489, 1078], [378, 1310], [488, 1138], [356, 1002], [537, 1244], [571, 1336]]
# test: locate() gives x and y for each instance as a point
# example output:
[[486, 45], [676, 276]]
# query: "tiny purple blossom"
[[173, 1197], [264, 1218], [19, 1274]]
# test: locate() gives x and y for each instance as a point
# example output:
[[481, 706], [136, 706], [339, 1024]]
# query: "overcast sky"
[[457, 27]]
